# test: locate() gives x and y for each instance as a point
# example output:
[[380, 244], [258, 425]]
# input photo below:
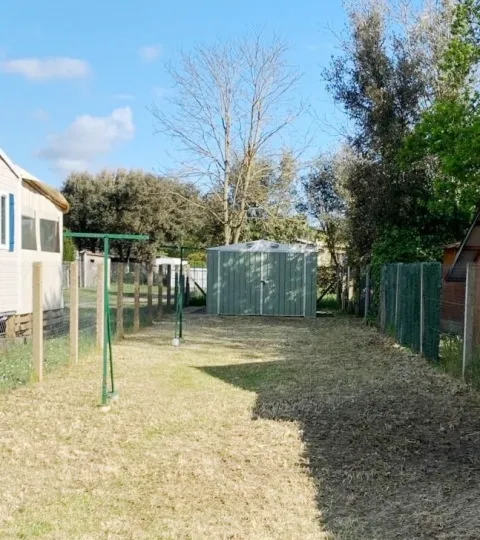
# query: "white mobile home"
[[31, 225]]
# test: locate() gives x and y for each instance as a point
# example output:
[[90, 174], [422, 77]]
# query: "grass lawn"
[[329, 303], [252, 429]]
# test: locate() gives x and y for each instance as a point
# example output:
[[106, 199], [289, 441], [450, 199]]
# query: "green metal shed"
[[262, 278]]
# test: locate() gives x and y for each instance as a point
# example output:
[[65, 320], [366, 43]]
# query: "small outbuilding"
[[88, 268], [262, 278]]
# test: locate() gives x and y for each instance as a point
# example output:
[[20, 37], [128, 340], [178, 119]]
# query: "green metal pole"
[[182, 282], [107, 337], [110, 355], [105, 319]]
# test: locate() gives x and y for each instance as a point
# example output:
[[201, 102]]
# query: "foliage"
[[402, 245], [326, 204], [131, 202], [380, 88], [285, 229], [68, 249], [413, 181], [272, 203], [446, 137], [197, 259], [462, 53]]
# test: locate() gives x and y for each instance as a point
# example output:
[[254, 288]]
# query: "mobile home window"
[[49, 237], [29, 236], [3, 221]]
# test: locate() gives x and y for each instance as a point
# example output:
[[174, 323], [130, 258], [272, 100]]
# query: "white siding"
[[35, 204], [9, 260]]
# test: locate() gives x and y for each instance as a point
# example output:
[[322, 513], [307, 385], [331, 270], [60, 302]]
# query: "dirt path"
[[253, 429]]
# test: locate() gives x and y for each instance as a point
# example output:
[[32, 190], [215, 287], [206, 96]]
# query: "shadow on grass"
[[393, 448]]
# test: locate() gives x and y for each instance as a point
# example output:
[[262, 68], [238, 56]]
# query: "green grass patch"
[[450, 354], [16, 358], [197, 300], [328, 302]]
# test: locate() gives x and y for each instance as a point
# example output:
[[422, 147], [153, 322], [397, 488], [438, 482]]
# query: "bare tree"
[[230, 104]]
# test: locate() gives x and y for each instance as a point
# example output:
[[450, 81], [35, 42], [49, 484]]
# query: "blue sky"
[[76, 78]]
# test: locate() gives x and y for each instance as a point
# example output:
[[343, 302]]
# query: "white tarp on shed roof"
[[267, 246]]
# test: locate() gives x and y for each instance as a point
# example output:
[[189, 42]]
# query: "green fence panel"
[[390, 276], [402, 283], [432, 287]]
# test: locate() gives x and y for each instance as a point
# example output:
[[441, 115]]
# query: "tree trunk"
[[243, 201], [226, 185], [238, 232], [227, 233]]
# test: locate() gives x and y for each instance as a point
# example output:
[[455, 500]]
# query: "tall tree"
[[326, 202], [133, 202], [384, 80], [447, 136], [231, 102]]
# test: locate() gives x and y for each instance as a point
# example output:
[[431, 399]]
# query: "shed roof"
[[266, 246], [467, 252]]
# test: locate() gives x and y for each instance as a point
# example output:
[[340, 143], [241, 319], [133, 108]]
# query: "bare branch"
[[230, 103]]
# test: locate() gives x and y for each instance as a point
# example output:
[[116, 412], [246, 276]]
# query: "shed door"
[[283, 284], [240, 279]]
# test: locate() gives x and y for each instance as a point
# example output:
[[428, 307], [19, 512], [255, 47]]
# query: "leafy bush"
[[68, 249]]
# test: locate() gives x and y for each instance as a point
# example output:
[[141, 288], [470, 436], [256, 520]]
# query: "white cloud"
[[41, 115], [124, 97], [87, 138], [41, 69], [159, 92], [149, 53]]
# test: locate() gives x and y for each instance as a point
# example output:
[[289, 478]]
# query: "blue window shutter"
[[11, 228]]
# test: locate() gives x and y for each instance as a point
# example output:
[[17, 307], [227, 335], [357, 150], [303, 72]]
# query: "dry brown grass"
[[253, 429], [178, 457]]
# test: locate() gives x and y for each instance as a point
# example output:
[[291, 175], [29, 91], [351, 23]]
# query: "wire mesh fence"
[[424, 307], [60, 317], [140, 294], [17, 351], [410, 306], [427, 311]]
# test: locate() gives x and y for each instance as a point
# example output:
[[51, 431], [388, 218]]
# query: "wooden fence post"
[[422, 308], [10, 333], [73, 313], [37, 322], [100, 316], [367, 292], [169, 287], [150, 293], [468, 344], [120, 275], [136, 294], [160, 292]]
